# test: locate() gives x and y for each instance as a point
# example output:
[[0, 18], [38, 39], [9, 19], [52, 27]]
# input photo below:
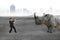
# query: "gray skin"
[[50, 21], [47, 20]]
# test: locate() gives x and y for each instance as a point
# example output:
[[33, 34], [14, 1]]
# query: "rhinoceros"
[[49, 20]]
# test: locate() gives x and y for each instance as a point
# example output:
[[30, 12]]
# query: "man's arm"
[[14, 20]]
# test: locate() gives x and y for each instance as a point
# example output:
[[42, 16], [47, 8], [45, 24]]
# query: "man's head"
[[10, 18]]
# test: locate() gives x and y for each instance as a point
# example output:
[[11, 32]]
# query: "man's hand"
[[14, 20]]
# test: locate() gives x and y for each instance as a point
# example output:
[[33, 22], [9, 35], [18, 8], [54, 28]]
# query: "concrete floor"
[[26, 30]]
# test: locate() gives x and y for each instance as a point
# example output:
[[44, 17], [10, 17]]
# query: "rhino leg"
[[50, 29]]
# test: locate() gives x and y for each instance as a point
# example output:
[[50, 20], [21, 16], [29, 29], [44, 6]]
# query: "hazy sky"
[[31, 4], [34, 5]]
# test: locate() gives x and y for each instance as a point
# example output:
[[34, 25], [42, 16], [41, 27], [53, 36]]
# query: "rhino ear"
[[46, 15]]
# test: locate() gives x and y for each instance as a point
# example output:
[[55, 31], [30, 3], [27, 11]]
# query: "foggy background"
[[28, 7]]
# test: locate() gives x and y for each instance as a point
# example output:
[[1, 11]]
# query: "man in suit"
[[11, 22]]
